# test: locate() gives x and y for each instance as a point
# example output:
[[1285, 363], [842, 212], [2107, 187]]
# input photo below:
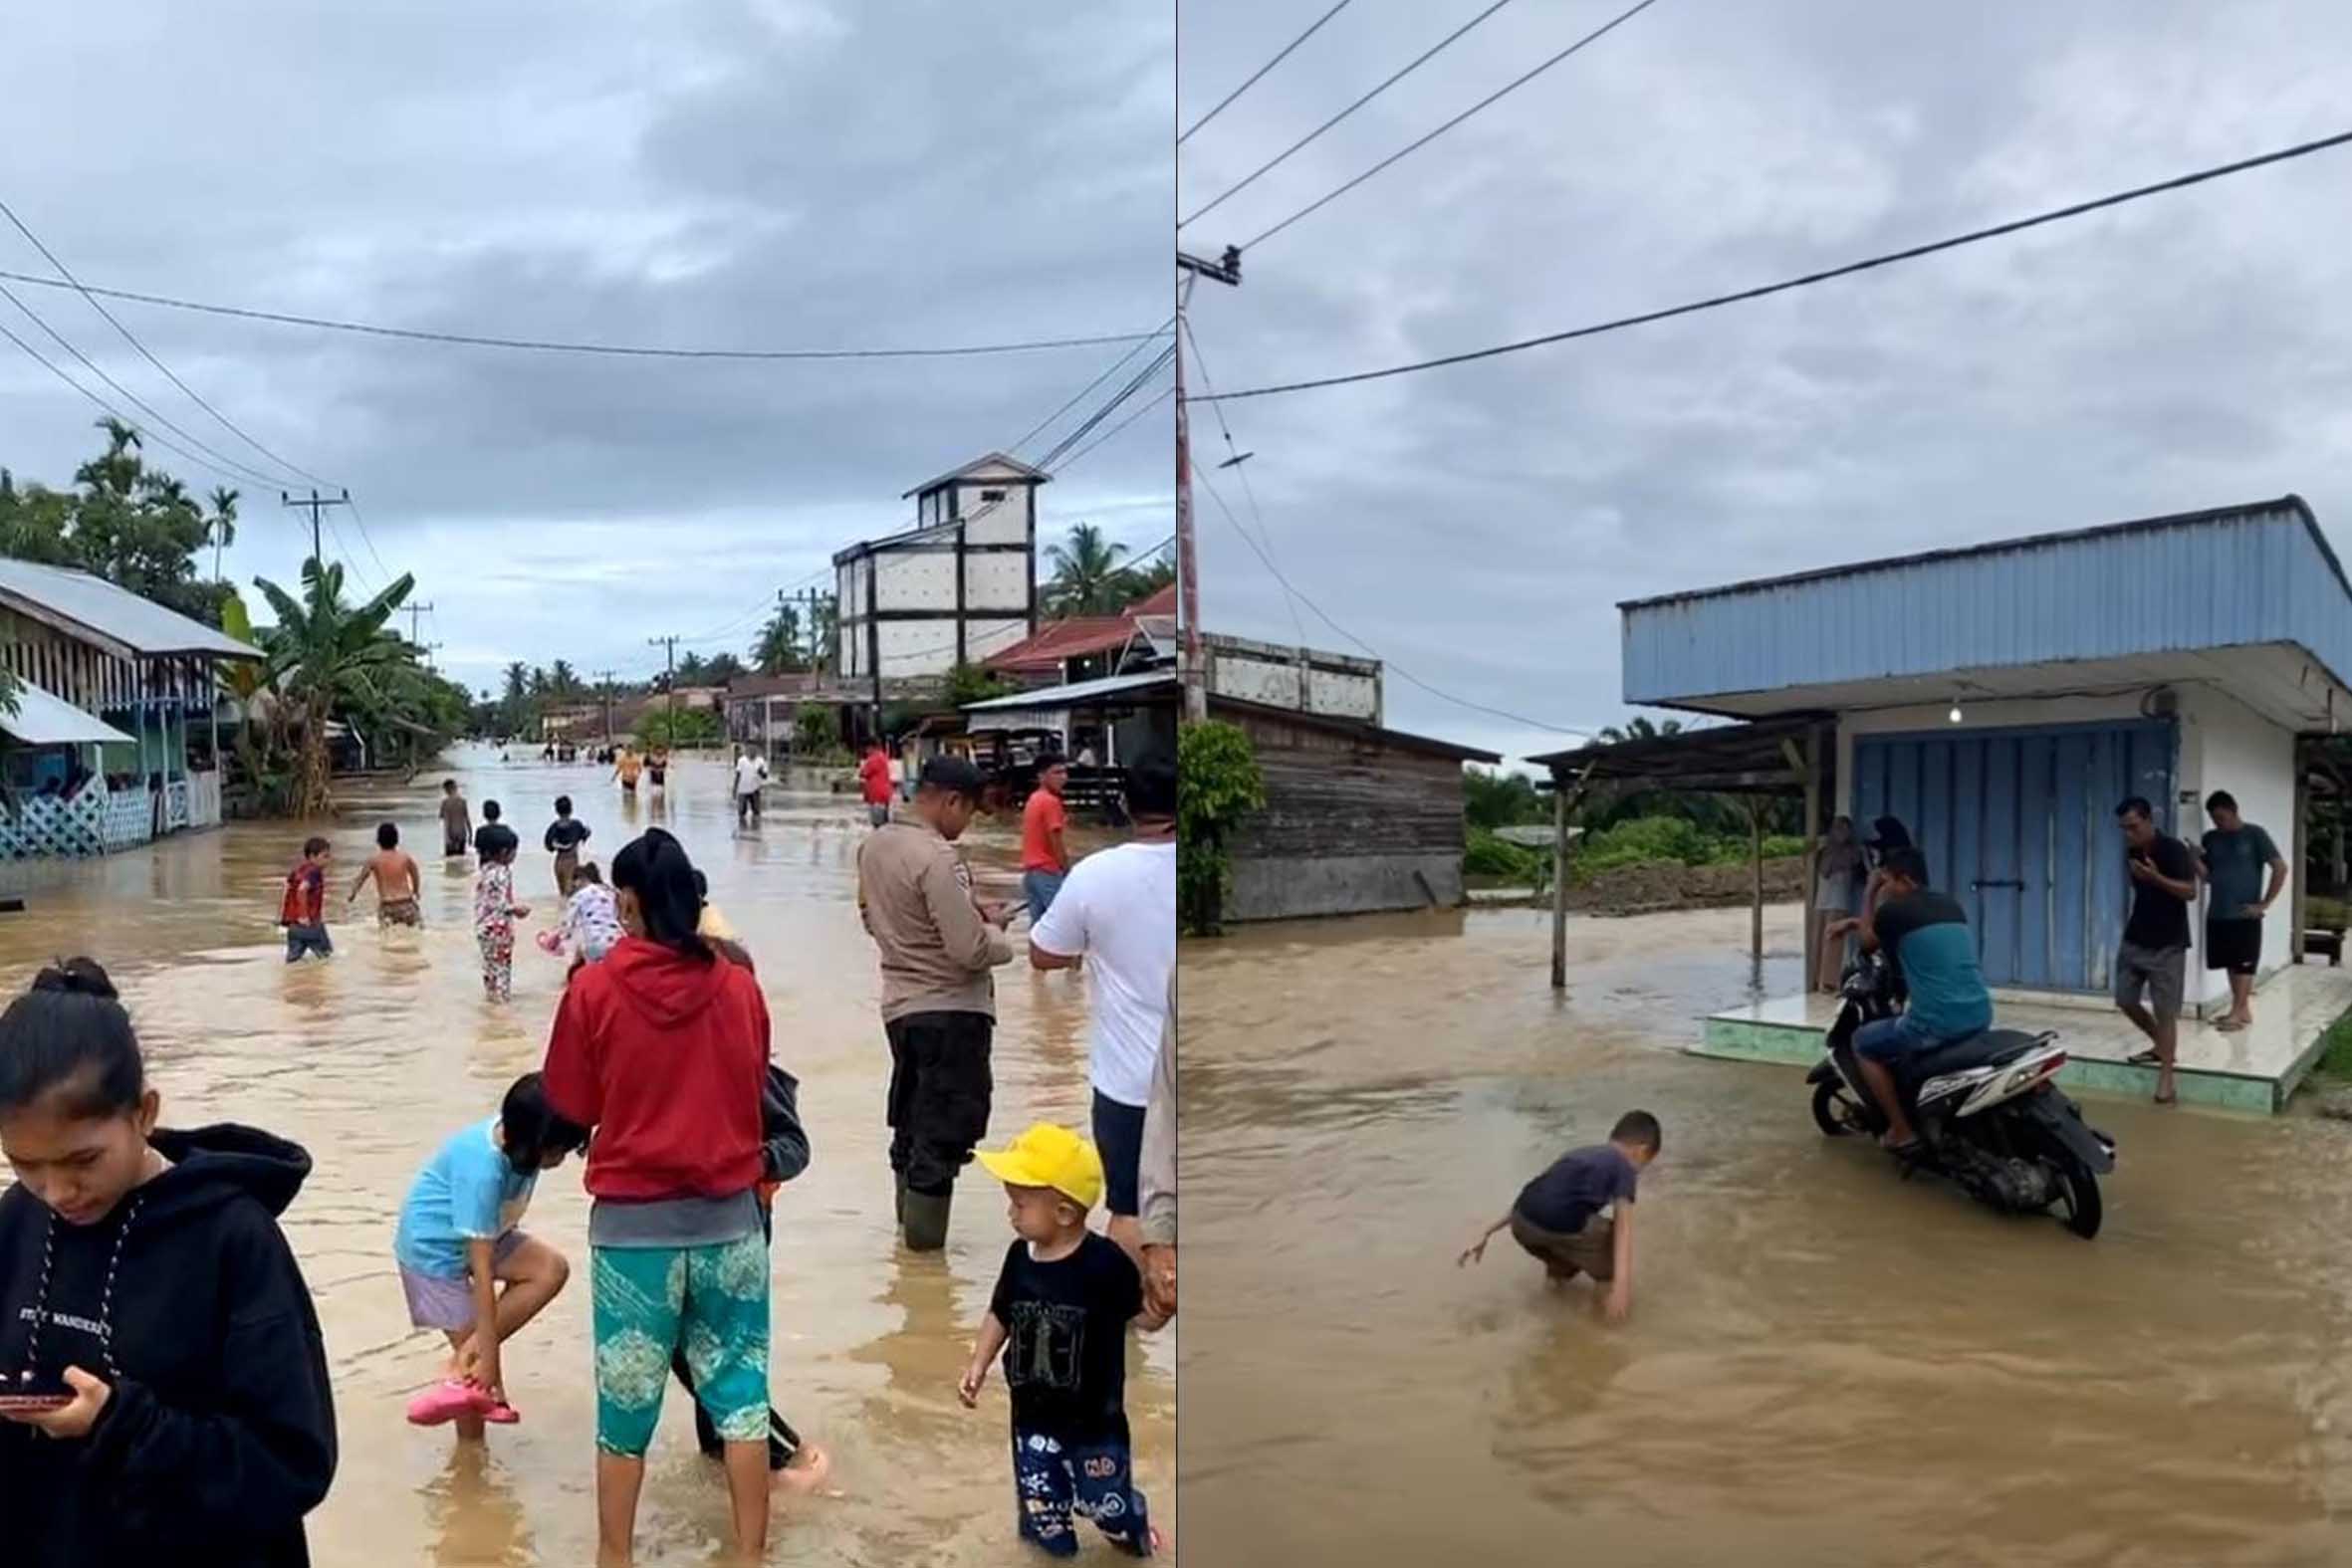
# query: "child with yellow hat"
[[1060, 1316]]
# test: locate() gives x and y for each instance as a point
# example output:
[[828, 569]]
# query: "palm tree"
[[223, 527], [1638, 729], [322, 654], [1148, 580], [778, 647], [1087, 578]]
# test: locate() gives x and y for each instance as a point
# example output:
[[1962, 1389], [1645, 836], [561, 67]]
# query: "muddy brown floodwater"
[[370, 1060], [1824, 1365]]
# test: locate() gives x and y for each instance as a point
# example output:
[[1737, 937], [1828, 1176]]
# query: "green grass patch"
[[2335, 1056]]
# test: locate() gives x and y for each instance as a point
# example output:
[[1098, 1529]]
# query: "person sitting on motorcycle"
[[1925, 936]]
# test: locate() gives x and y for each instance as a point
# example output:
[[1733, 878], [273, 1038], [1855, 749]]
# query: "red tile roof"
[[1073, 638], [1162, 602]]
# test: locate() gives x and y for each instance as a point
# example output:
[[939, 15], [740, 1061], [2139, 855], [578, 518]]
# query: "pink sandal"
[[448, 1400]]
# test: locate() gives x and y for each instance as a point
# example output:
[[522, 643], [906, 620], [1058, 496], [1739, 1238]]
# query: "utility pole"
[[431, 648], [315, 506], [669, 654], [1190, 672], [605, 680], [416, 613]]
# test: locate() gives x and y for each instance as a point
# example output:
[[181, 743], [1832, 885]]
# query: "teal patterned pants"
[[712, 1302]]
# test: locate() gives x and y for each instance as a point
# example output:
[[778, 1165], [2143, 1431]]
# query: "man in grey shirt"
[[2234, 855]]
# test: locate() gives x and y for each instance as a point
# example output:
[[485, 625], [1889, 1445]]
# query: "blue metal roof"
[[2236, 577]]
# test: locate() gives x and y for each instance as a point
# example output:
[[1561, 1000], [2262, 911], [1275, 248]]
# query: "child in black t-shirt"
[[1060, 1314]]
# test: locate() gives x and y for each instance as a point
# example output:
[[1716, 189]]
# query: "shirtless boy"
[[397, 883]]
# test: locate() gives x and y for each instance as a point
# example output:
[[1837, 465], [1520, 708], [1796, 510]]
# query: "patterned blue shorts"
[[1055, 1478]]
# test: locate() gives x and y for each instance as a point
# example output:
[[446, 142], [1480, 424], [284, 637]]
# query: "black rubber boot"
[[926, 1220], [898, 1208]]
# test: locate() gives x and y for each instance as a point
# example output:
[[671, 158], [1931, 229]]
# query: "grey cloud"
[[1479, 525], [754, 172]]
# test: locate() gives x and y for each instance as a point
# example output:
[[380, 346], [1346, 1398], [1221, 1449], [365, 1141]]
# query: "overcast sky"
[[1478, 525], [764, 174]]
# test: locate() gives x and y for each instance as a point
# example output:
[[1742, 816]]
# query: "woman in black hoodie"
[[144, 1284]]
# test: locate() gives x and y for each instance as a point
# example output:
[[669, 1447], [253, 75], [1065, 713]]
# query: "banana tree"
[[324, 654]]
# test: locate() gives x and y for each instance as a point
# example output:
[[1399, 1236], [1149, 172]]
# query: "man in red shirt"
[[873, 777], [1045, 860]]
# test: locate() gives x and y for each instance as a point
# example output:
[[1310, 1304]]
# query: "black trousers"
[[939, 1095], [783, 1441]]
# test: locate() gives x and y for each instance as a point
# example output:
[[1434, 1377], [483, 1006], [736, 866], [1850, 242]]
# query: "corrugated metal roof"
[[139, 625], [1076, 694], [1071, 638], [45, 720], [2236, 577]]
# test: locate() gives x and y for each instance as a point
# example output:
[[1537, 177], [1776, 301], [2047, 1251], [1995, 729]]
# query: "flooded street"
[[372, 1059], [1824, 1365]]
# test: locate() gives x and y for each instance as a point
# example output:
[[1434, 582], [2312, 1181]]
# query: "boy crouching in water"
[[1059, 1315], [1560, 1218], [466, 1267]]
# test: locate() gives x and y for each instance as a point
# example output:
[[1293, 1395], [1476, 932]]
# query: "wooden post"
[[1755, 862], [1559, 883], [2299, 842], [1813, 863]]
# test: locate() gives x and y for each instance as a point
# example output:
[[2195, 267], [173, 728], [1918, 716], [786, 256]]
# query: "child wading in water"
[[495, 914], [591, 920], [302, 911], [167, 1393], [1059, 1315], [393, 871], [564, 835], [1559, 1218], [458, 1243]]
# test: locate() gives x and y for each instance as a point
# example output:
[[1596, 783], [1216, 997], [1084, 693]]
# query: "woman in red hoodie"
[[662, 1049]]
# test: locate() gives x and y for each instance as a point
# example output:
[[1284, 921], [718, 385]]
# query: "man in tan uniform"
[[938, 945]]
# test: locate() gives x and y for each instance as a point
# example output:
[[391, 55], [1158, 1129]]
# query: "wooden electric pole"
[[315, 506], [1190, 672], [605, 680], [669, 684]]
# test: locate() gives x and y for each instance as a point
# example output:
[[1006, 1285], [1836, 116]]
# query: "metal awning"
[[1764, 758], [1017, 721], [45, 720], [1080, 694]]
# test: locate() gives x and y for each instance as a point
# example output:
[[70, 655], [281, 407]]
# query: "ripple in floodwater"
[[371, 1059], [1824, 1366]]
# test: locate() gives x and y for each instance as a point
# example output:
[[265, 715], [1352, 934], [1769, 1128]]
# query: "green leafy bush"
[[1488, 855], [1646, 840], [1217, 782]]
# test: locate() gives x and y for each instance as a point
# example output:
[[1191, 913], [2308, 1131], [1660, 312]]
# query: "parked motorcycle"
[[1986, 1109]]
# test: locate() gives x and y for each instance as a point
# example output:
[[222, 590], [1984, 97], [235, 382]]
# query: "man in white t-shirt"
[[1117, 911], [751, 772]]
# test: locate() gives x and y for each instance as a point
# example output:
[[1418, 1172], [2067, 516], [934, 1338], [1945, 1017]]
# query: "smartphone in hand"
[[30, 1392]]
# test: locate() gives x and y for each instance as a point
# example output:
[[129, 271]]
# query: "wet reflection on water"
[[370, 1060], [1824, 1366]]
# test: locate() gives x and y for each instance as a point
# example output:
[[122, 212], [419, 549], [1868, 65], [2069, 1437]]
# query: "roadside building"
[[116, 739], [955, 589], [2000, 700], [1358, 818]]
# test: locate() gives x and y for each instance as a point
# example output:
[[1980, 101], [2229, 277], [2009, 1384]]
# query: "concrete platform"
[[2249, 1070]]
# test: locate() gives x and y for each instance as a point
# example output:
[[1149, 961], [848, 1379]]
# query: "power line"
[[559, 346], [129, 338], [1104, 438], [217, 461], [1053, 454], [1283, 157], [1913, 253], [1033, 431], [1606, 27], [110, 409], [1221, 104], [367, 539], [1388, 663], [1235, 460]]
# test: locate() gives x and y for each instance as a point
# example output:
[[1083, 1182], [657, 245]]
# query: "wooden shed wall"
[[1329, 794]]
